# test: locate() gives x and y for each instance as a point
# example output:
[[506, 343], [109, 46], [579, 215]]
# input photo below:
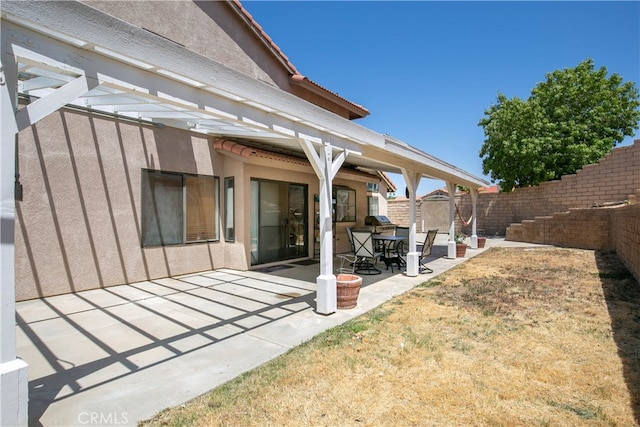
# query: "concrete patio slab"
[[119, 355]]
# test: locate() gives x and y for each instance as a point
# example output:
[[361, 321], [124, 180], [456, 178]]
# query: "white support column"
[[451, 244], [326, 168], [412, 180], [474, 231], [13, 371]]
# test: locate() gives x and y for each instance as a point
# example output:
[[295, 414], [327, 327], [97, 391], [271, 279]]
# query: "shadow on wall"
[[78, 226], [622, 295]]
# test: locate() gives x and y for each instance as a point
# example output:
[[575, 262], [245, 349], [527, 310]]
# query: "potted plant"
[[348, 288], [482, 240], [461, 246]]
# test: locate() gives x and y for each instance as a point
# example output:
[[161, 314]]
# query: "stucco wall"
[[210, 28], [78, 225]]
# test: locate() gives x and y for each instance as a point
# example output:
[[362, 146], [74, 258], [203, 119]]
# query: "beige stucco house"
[[148, 139], [121, 187]]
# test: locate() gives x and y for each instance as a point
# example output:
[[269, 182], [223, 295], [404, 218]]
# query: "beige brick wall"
[[430, 214], [398, 211], [562, 212], [616, 228], [625, 231], [614, 178], [578, 228]]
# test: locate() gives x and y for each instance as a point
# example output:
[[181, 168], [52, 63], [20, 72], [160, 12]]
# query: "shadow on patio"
[[119, 355], [77, 343], [622, 294]]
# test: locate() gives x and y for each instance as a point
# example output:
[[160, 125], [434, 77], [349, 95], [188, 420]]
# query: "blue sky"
[[427, 70]]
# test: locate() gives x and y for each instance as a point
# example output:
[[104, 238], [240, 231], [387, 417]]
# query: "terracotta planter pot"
[[348, 289], [481, 241], [461, 250]]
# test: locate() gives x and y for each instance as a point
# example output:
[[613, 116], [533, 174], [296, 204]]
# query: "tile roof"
[[296, 76], [244, 151], [391, 186], [300, 79], [265, 36]]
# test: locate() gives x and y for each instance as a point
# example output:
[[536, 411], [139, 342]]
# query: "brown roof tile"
[[296, 77]]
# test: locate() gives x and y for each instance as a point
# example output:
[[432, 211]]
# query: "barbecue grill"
[[379, 224]]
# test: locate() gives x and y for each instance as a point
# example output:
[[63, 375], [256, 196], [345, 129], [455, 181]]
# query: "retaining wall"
[[614, 178], [581, 210]]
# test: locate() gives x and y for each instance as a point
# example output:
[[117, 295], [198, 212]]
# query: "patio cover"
[[68, 54]]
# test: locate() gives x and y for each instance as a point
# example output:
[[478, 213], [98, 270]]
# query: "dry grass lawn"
[[513, 337]]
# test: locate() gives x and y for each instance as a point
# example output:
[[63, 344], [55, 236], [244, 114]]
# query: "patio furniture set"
[[368, 248]]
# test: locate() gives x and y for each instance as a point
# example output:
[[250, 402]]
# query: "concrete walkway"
[[118, 355]]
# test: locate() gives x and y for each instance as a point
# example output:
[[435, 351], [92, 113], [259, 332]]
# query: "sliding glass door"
[[278, 221]]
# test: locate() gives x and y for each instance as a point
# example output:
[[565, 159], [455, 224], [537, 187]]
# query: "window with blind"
[[372, 206], [178, 208]]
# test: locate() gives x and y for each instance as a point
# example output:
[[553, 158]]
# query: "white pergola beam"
[[41, 108], [314, 158], [40, 83], [111, 99], [77, 20], [241, 95]]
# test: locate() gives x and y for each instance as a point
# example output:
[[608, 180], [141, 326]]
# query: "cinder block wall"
[[614, 178], [562, 212], [398, 211], [625, 232], [578, 228], [616, 228]]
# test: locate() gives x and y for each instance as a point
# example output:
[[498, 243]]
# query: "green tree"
[[573, 118]]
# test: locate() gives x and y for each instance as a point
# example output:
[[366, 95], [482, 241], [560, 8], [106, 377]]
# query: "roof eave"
[[356, 111]]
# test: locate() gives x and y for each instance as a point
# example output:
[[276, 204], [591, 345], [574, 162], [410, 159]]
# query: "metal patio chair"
[[366, 255], [348, 261], [400, 248], [425, 251]]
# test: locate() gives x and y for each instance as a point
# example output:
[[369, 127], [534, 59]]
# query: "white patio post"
[[14, 389], [451, 244], [326, 168], [412, 180], [474, 231]]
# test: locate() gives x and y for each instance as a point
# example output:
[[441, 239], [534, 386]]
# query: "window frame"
[[350, 206], [371, 199], [229, 232], [146, 215]]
